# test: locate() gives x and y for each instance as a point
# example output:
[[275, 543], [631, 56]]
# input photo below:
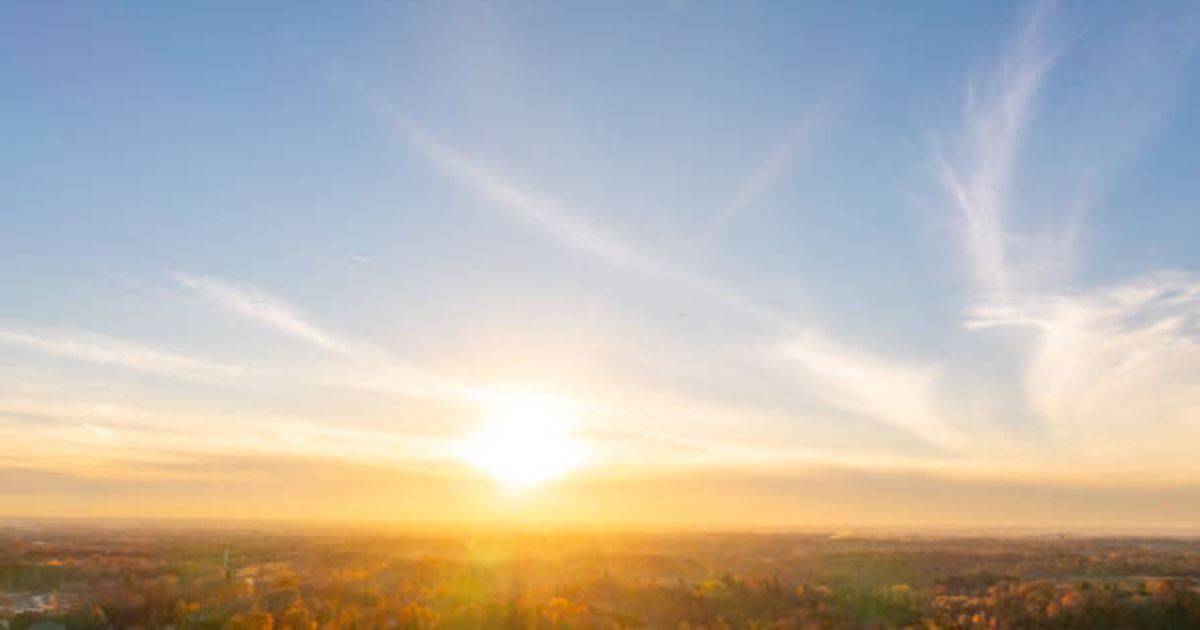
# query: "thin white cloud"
[[1120, 107], [904, 397], [371, 369], [997, 112], [795, 145], [104, 350], [901, 394], [262, 307], [1115, 370], [566, 225]]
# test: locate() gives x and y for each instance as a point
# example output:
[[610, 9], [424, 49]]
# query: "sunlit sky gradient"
[[784, 265]]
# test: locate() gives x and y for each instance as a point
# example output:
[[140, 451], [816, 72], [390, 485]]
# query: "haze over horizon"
[[669, 263]]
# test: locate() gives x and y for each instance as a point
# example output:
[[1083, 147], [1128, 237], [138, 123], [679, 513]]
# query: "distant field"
[[56, 575]]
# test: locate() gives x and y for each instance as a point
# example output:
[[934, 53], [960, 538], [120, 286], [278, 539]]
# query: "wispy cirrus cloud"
[[566, 225], [370, 369], [998, 108], [262, 307], [800, 141], [899, 393], [847, 376], [1114, 370], [1112, 116], [101, 349]]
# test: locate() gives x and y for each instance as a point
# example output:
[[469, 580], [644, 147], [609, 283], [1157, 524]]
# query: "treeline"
[[604, 582]]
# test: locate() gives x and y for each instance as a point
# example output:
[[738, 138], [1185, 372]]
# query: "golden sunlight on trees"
[[332, 581]]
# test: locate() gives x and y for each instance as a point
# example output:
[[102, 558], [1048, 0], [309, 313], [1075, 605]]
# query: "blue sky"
[[957, 239]]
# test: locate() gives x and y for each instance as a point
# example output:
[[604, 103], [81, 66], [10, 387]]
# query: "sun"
[[526, 440]]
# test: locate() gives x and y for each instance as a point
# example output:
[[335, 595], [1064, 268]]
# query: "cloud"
[[855, 380], [794, 145], [566, 225], [373, 368], [901, 394], [1099, 124], [262, 307], [1114, 371], [997, 112], [103, 350]]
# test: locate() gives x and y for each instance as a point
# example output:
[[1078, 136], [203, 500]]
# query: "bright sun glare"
[[526, 441]]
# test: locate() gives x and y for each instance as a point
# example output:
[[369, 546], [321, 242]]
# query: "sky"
[[685, 263]]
